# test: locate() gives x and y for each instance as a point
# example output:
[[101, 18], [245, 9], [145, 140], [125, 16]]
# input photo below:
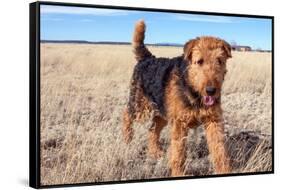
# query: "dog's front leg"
[[177, 151], [216, 144]]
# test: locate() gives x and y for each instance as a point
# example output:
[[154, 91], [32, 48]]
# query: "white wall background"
[[14, 27]]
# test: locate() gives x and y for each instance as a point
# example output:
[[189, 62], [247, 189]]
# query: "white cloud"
[[203, 18], [49, 9], [87, 20]]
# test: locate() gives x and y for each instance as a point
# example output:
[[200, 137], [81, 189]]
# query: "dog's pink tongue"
[[209, 100]]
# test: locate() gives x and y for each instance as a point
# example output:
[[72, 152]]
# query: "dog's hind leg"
[[154, 146], [127, 126]]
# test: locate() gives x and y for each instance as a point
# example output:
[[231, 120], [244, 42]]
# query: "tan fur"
[[154, 134], [139, 33], [127, 127], [215, 140], [209, 73], [143, 107], [140, 50]]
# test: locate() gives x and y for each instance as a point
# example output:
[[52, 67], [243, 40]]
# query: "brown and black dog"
[[184, 91]]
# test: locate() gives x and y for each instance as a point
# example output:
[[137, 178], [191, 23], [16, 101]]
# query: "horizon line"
[[126, 42]]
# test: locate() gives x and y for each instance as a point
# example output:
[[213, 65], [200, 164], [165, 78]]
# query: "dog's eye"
[[220, 62], [200, 62]]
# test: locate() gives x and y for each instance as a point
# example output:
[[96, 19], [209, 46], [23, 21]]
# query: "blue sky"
[[90, 24]]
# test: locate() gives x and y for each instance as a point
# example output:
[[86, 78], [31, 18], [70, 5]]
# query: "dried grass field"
[[84, 89]]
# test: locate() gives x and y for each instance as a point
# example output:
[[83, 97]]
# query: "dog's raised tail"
[[140, 49]]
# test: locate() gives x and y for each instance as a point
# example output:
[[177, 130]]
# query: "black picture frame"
[[34, 91]]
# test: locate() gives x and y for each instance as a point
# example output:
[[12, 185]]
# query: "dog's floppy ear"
[[187, 49], [227, 49]]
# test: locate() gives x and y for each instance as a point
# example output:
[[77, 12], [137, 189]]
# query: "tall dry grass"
[[84, 89]]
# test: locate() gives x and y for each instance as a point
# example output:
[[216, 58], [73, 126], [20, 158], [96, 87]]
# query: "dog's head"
[[206, 58]]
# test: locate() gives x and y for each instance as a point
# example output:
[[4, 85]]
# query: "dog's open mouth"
[[209, 100]]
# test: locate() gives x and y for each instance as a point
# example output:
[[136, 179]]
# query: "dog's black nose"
[[210, 90]]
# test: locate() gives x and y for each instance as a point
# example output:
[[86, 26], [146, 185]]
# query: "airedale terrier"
[[184, 91]]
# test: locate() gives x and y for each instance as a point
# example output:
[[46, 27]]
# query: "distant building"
[[241, 48]]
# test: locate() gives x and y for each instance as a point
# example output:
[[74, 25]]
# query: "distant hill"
[[105, 42], [169, 44]]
